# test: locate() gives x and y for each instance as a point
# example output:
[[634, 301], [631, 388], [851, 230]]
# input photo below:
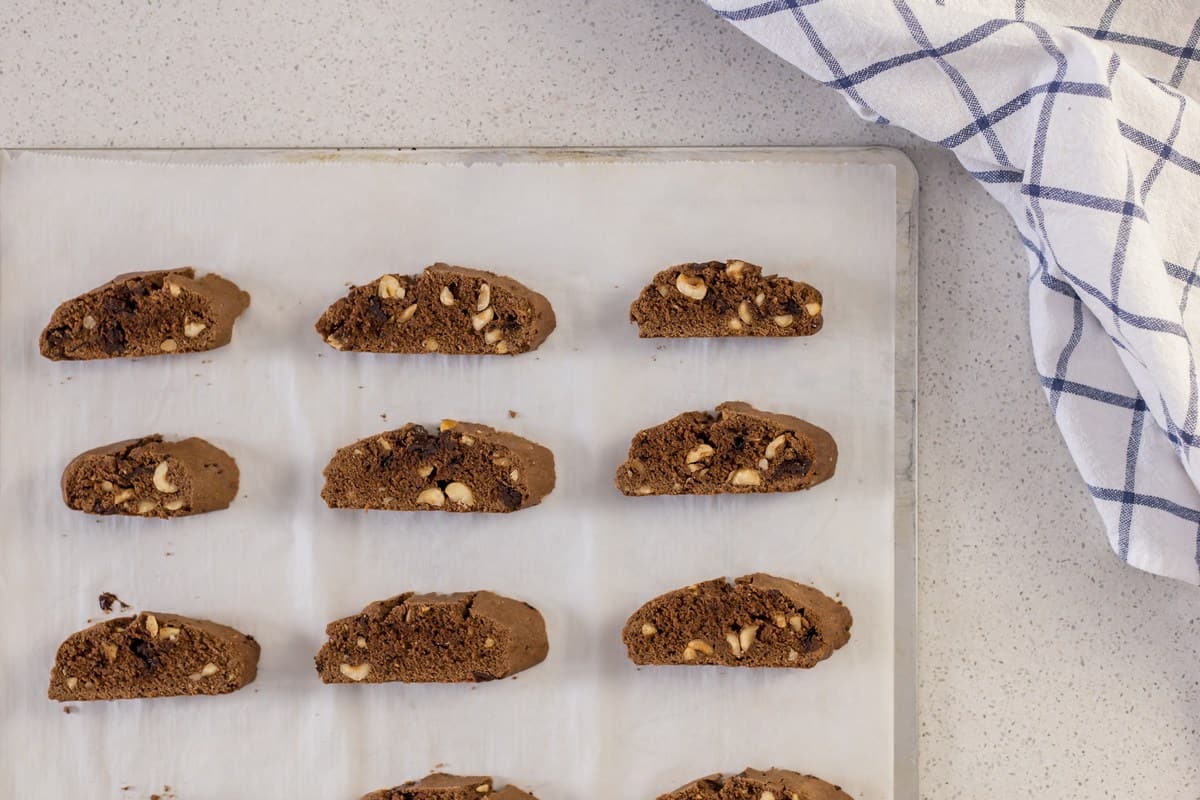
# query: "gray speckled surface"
[[1047, 669]]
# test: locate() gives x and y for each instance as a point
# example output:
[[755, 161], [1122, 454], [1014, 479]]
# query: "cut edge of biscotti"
[[769, 784], [737, 449], [730, 298], [459, 467], [151, 477], [445, 310], [148, 313], [152, 654], [443, 786], [760, 621], [405, 639]]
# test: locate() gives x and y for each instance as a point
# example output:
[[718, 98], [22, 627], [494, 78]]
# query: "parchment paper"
[[278, 564]]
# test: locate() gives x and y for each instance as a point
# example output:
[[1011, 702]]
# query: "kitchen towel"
[[1078, 117]]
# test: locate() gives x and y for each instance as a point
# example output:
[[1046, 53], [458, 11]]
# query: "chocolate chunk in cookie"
[[434, 638], [150, 477], [152, 655], [756, 621], [725, 298], [445, 309], [462, 467], [153, 313], [738, 450]]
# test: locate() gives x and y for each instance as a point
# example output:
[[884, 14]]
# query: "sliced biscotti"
[[738, 449], [460, 467], [152, 655], [151, 477], [755, 621], [754, 784], [445, 309], [725, 298], [434, 638], [440, 786], [152, 313]]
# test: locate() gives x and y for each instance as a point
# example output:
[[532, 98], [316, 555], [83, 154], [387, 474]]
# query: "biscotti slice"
[[152, 655], [146, 314], [756, 621], [754, 784], [461, 467], [739, 450], [440, 786], [151, 477], [725, 298], [445, 309], [434, 638]]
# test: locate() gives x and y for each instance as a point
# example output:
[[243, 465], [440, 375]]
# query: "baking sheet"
[[585, 228]]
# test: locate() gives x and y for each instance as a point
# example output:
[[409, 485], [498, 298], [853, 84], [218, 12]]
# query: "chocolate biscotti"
[[152, 655], [725, 298], [434, 638], [440, 786], [754, 784], [445, 309], [152, 313], [461, 467], [739, 449], [755, 621], [151, 477]]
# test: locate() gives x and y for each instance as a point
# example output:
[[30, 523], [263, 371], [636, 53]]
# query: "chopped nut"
[[780, 621], [72, 683], [793, 655], [209, 670], [493, 336], [701, 646], [361, 642], [643, 490], [502, 348], [430, 344], [735, 325], [735, 268], [425, 471], [151, 625], [747, 636], [358, 451], [174, 288], [768, 795], [747, 316], [173, 505], [122, 496], [759, 299], [460, 494], [448, 424], [106, 486], [745, 477], [797, 623], [168, 346], [485, 298], [692, 286], [514, 476], [432, 497], [110, 651], [89, 322], [407, 313], [383, 443], [479, 321], [390, 288], [334, 342], [734, 645], [663, 290], [694, 467], [169, 632], [193, 329], [773, 447], [502, 461], [483, 788], [689, 654], [447, 296], [146, 506], [763, 464], [783, 320], [489, 643], [648, 630], [466, 440], [699, 453], [812, 309], [160, 479], [355, 673]]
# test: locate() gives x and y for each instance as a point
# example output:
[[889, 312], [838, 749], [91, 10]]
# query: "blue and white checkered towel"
[[1077, 117]]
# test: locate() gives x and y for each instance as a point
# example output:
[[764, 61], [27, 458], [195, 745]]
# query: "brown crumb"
[[107, 600], [512, 414], [68, 709]]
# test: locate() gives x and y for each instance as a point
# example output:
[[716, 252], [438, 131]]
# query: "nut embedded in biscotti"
[[745, 477], [432, 496], [356, 672], [691, 286], [160, 479], [462, 312], [460, 494]]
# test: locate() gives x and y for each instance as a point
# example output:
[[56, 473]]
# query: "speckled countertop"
[[1047, 668]]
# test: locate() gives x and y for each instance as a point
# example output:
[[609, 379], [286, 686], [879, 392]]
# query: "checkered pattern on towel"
[[1075, 115]]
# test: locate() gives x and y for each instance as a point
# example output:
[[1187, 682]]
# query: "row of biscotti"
[[468, 637], [750, 784], [445, 309], [464, 466]]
